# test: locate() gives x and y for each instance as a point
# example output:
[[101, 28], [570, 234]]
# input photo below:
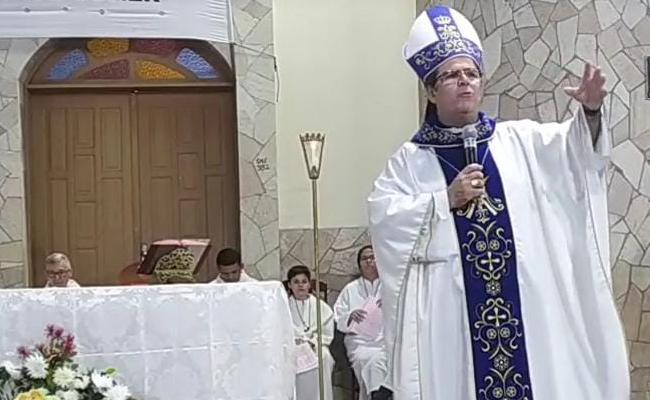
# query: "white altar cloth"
[[172, 342]]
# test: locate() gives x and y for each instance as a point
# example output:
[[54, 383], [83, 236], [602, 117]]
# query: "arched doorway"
[[129, 141]]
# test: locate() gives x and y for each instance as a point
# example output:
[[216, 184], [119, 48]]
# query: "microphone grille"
[[470, 132]]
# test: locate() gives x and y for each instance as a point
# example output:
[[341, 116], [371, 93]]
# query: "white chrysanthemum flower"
[[101, 381], [68, 394], [117, 392], [81, 382], [52, 397], [64, 377], [36, 366], [12, 369]]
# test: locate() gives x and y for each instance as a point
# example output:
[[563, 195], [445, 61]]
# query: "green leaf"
[[110, 371]]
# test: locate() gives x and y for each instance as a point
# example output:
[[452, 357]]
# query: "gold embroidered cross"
[[497, 318], [490, 261]]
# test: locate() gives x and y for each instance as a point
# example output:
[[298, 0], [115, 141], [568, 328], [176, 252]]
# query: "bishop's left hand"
[[591, 91]]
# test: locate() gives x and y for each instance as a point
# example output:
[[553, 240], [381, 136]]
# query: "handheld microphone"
[[469, 143]]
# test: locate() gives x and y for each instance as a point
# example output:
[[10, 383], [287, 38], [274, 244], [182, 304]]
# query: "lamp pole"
[[312, 147]]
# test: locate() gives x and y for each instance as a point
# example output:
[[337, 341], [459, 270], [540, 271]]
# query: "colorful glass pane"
[[113, 70], [191, 60], [102, 48], [154, 70], [159, 47], [68, 65]]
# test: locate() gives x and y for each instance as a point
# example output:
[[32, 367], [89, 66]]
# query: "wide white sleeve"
[[567, 146], [573, 171], [400, 214], [405, 223], [401, 217], [342, 309]]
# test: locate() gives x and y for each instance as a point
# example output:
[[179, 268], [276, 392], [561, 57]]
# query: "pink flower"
[[49, 331], [24, 352], [58, 332], [68, 344]]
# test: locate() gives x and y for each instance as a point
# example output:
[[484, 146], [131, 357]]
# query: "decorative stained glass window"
[[160, 47], [113, 70], [68, 65], [102, 48], [191, 60], [131, 61], [153, 70]]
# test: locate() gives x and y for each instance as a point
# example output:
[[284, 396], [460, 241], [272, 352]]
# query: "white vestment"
[[303, 314], [367, 356], [71, 284], [554, 184], [244, 277]]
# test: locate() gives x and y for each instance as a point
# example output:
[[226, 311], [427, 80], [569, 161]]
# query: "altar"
[[167, 342]]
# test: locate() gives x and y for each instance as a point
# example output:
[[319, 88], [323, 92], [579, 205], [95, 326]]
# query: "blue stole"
[[489, 263]]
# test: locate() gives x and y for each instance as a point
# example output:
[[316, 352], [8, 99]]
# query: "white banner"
[[182, 19]]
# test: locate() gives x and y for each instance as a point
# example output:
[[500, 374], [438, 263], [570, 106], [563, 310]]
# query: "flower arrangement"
[[48, 371]]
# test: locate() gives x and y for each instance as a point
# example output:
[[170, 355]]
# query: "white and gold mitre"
[[440, 34]]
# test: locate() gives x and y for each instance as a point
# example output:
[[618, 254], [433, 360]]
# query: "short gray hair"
[[58, 259]]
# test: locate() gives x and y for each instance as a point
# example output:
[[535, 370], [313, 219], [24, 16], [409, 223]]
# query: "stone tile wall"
[[533, 49], [338, 249]]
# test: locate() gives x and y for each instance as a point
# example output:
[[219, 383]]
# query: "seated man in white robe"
[[230, 267], [58, 269], [367, 354], [492, 243], [302, 305]]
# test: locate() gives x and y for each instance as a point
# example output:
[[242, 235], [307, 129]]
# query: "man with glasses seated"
[[59, 271]]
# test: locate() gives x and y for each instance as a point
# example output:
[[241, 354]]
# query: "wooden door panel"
[[189, 184], [158, 206], [158, 181], [189, 172], [58, 237], [82, 177], [81, 197]]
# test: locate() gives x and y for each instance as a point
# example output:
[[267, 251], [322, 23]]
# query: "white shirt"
[[244, 277], [305, 322], [305, 325], [352, 297], [71, 284]]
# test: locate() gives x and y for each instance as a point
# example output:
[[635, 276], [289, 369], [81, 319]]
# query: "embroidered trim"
[[425, 62], [491, 289], [431, 134]]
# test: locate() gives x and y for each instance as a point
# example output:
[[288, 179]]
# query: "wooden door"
[[188, 169], [80, 184]]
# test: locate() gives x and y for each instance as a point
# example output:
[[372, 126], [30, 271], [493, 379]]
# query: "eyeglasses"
[[57, 274], [453, 76]]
